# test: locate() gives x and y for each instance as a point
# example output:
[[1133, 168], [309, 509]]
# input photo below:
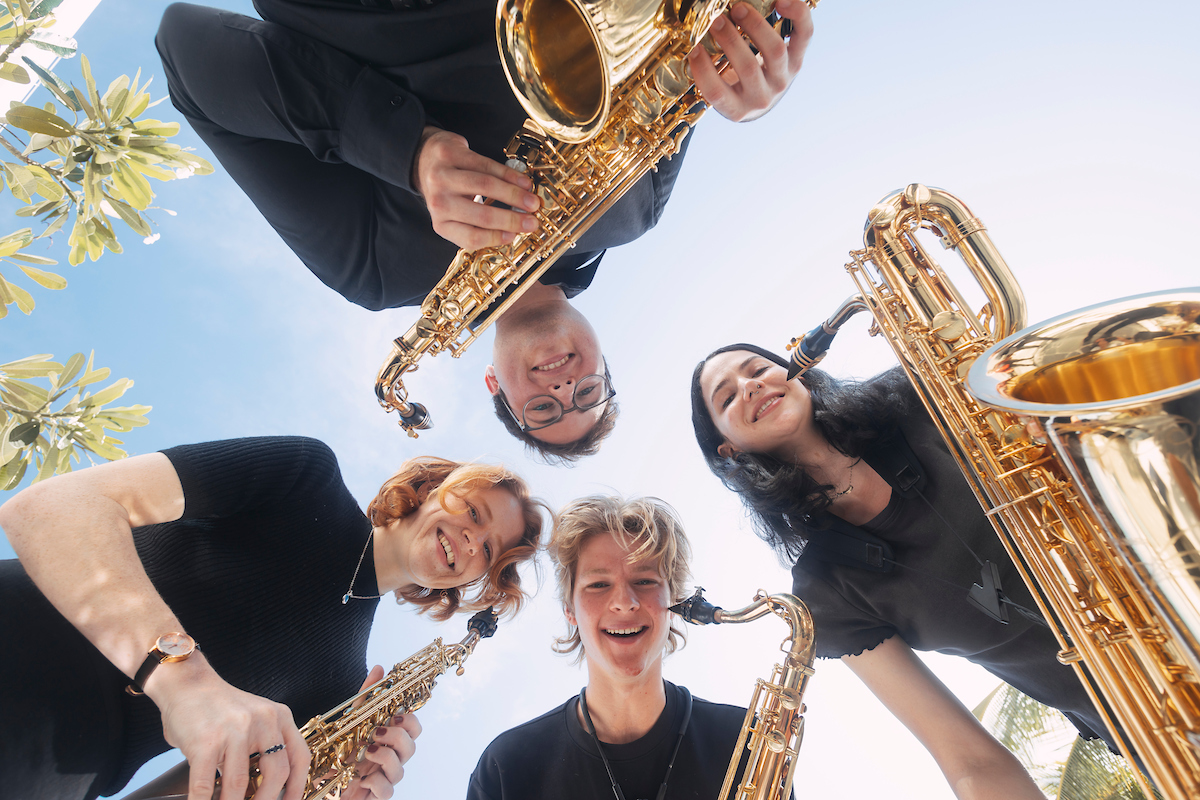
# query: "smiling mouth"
[[445, 543], [625, 633], [765, 406], [554, 364]]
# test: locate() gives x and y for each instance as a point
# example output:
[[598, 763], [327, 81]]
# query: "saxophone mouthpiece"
[[809, 349], [483, 623], [417, 417], [697, 610]]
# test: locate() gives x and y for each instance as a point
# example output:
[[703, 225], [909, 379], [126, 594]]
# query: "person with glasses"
[[544, 410], [364, 129], [548, 378]]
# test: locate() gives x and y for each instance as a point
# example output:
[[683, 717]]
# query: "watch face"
[[174, 645]]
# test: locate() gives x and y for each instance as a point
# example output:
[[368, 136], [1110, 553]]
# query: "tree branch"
[[51, 171], [22, 37]]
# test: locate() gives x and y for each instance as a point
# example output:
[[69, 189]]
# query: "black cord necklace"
[[662, 791]]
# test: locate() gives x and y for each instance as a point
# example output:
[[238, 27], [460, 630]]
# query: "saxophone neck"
[[481, 626], [787, 607]]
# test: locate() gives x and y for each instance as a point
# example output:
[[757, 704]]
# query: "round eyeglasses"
[[544, 410]]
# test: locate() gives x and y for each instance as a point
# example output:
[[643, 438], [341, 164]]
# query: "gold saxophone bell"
[[1079, 437], [566, 58]]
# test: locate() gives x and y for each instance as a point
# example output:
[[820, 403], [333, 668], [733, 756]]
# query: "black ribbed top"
[[255, 570]]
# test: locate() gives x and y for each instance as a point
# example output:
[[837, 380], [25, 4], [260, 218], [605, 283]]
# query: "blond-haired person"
[[255, 550], [629, 734]]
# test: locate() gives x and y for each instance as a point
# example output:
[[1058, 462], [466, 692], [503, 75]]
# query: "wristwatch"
[[170, 647]]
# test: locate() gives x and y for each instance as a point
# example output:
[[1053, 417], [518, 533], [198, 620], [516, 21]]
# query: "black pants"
[[317, 111]]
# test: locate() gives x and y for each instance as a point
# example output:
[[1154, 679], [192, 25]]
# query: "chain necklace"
[[349, 595], [849, 483]]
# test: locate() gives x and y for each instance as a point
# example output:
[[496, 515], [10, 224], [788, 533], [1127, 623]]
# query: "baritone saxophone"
[[609, 94], [773, 729], [1079, 438]]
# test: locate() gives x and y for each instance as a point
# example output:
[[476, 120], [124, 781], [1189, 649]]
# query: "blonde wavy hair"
[[646, 526], [500, 586]]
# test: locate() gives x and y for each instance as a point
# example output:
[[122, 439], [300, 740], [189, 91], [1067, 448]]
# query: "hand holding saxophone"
[[217, 726], [449, 175], [383, 761], [754, 83]]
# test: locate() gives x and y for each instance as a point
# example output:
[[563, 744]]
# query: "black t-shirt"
[[254, 570], [553, 757]]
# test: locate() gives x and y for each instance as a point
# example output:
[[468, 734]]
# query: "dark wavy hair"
[[782, 498]]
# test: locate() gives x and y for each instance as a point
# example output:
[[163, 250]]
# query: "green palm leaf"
[[1064, 765]]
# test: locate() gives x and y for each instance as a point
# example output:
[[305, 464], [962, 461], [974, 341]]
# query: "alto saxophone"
[[774, 725], [610, 94], [1078, 437], [339, 738]]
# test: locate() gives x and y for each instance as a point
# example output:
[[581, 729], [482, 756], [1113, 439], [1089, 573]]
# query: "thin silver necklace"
[[349, 595], [850, 483]]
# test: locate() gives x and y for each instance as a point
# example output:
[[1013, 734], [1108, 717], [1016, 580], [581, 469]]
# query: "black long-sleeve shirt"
[[317, 111]]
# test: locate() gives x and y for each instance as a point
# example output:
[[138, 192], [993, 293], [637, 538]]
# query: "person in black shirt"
[[853, 482], [256, 548], [363, 130], [620, 565]]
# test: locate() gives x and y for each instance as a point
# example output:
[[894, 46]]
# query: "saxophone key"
[[673, 78], [789, 698]]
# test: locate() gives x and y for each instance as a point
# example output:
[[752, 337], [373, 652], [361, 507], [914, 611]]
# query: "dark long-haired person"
[[853, 483], [209, 596]]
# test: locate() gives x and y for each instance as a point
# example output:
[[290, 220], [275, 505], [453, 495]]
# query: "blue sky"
[[1068, 127]]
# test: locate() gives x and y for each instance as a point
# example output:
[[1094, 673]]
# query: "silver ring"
[[275, 749]]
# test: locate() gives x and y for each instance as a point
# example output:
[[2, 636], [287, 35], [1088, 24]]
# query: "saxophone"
[[774, 725], [1078, 437], [339, 738], [609, 93]]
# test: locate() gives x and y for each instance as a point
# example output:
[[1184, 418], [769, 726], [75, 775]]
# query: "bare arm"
[[73, 535], [976, 766]]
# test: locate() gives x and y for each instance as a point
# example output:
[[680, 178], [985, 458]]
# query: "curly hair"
[[781, 497], [645, 526], [561, 455], [417, 480]]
